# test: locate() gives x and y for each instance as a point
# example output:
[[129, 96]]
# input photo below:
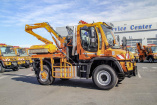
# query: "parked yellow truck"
[[23, 57], [8, 59], [134, 51]]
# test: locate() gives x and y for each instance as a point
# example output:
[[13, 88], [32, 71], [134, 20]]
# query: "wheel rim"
[[43, 75], [103, 77]]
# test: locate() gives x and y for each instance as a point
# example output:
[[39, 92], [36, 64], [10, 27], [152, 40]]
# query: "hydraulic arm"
[[29, 29]]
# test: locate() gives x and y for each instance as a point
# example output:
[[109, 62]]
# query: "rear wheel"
[[15, 68], [2, 69], [44, 77], [104, 77], [150, 59]]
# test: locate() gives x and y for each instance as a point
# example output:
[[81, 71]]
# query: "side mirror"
[[118, 38], [124, 42], [93, 42], [93, 32]]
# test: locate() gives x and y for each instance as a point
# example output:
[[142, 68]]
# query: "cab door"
[[88, 42]]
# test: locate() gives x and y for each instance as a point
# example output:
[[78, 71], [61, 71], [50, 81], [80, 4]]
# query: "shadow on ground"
[[146, 61], [24, 78], [82, 83]]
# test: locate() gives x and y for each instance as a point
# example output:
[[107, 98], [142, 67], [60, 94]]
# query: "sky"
[[15, 14]]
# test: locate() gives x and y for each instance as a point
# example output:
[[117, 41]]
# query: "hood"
[[121, 54]]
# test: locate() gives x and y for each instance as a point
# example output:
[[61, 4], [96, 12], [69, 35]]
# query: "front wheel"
[[104, 77], [2, 69], [15, 68], [44, 77], [27, 66]]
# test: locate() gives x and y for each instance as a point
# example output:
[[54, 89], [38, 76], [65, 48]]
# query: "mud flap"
[[135, 72]]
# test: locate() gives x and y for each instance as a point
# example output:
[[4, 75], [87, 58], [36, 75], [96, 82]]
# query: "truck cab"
[[22, 56], [8, 58], [134, 51]]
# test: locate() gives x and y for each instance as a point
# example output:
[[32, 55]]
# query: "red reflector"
[[2, 44]]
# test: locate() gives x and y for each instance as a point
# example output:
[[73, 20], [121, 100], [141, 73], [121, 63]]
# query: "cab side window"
[[89, 40]]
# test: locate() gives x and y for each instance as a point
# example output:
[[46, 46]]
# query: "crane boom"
[[29, 29]]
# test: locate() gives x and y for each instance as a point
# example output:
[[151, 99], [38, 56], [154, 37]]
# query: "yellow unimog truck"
[[88, 51], [8, 59], [134, 51], [29, 56], [22, 57]]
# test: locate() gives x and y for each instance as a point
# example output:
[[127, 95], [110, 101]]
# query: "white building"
[[143, 31]]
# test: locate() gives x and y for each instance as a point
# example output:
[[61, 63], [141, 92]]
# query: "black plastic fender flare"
[[106, 58]]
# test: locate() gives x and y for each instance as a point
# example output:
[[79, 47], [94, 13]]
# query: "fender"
[[2, 63], [105, 58], [48, 62]]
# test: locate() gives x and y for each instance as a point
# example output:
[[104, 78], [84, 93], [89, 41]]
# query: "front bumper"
[[129, 67], [23, 63], [10, 64]]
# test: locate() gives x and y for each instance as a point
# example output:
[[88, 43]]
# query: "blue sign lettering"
[[132, 27]]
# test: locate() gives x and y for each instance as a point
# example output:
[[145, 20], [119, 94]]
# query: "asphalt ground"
[[21, 88]]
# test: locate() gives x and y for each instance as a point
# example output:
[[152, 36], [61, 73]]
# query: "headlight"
[[20, 58], [7, 59]]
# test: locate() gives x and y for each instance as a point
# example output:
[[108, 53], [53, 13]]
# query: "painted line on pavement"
[[15, 76], [30, 74], [3, 77], [154, 67], [139, 75], [145, 67]]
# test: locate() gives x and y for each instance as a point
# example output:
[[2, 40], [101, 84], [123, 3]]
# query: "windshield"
[[109, 34], [22, 52], [7, 51], [154, 49], [131, 49]]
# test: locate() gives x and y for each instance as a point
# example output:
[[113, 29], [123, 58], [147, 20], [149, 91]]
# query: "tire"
[[151, 59], [2, 69], [48, 79], [27, 66], [141, 59], [104, 77], [15, 68]]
